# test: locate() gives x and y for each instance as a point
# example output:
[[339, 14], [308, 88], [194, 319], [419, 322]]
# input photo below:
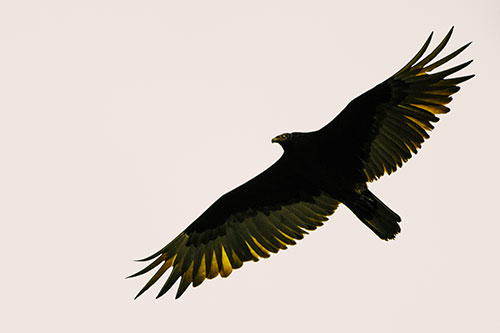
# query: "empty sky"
[[122, 121]]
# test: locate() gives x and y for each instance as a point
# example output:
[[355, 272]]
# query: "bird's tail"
[[375, 214]]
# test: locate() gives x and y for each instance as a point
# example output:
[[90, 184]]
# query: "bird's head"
[[282, 139]]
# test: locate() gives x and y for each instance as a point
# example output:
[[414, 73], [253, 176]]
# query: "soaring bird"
[[375, 134]]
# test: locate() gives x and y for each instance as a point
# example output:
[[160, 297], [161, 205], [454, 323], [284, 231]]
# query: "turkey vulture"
[[375, 134]]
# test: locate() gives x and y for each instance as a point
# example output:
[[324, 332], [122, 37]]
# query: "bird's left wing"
[[262, 216], [382, 128]]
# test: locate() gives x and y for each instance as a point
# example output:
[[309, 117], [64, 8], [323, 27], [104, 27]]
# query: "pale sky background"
[[122, 121]]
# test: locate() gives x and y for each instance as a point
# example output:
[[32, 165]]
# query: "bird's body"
[[375, 134]]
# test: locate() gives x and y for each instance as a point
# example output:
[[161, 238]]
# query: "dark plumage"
[[375, 134]]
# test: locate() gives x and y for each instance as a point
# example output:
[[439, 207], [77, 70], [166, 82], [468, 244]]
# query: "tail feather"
[[375, 215]]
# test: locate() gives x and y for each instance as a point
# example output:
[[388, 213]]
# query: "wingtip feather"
[[416, 57]]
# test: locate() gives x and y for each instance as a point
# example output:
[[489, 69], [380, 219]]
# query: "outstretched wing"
[[262, 216], [382, 128]]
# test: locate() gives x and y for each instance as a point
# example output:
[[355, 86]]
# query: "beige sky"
[[122, 121]]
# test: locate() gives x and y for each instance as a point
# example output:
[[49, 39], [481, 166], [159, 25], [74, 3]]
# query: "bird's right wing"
[[262, 216], [380, 130]]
